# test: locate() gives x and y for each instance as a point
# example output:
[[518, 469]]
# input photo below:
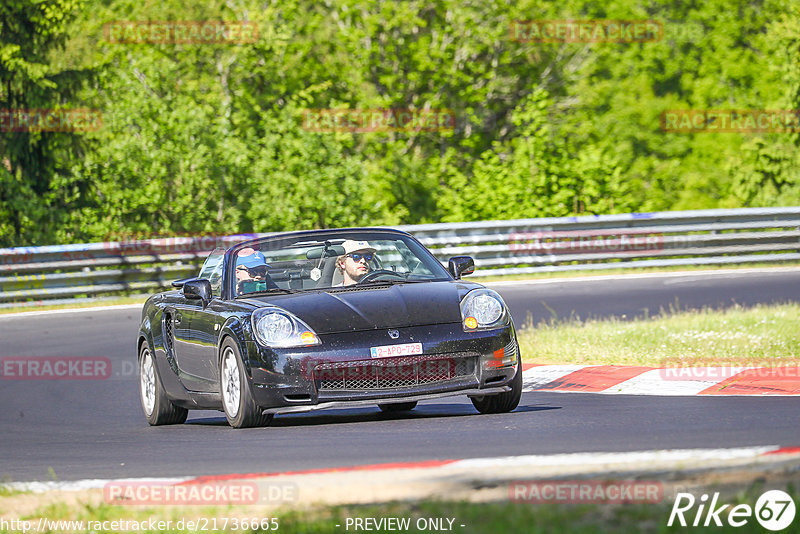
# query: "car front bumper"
[[371, 402], [339, 372]]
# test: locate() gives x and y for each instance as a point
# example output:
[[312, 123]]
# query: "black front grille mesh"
[[392, 373]]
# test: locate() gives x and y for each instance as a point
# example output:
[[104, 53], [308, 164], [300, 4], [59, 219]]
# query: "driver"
[[251, 266], [355, 262]]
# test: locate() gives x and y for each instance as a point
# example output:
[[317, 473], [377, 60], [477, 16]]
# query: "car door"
[[183, 343], [197, 332]]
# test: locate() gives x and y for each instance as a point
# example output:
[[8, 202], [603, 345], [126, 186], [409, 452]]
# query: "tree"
[[768, 171], [35, 186]]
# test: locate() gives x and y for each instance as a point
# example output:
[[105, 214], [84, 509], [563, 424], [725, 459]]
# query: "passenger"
[[251, 266], [355, 262]]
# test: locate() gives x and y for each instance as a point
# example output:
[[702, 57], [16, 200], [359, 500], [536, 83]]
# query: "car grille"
[[393, 373]]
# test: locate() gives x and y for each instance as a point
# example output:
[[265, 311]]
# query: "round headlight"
[[274, 327], [486, 309], [277, 328], [483, 309]]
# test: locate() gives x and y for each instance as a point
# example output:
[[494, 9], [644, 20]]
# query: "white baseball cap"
[[351, 246]]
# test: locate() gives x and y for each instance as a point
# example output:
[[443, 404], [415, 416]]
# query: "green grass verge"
[[489, 518], [762, 335]]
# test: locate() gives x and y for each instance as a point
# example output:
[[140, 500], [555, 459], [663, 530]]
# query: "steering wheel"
[[380, 272]]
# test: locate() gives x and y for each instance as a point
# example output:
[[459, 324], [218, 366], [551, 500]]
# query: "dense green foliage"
[[209, 138]]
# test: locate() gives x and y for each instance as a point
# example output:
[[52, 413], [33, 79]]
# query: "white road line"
[[578, 459], [87, 484], [71, 310]]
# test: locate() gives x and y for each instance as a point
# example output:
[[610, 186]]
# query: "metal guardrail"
[[519, 246]]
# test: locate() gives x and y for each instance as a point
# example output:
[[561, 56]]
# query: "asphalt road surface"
[[72, 430]]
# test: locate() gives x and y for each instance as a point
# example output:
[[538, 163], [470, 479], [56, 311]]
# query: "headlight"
[[277, 328], [482, 309]]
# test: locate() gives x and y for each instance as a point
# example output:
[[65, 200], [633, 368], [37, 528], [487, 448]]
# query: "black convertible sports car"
[[309, 320]]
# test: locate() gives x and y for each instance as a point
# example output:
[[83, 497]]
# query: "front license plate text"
[[387, 351]]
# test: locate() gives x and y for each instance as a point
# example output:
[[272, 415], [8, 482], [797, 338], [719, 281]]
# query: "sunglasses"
[[357, 256], [261, 270]]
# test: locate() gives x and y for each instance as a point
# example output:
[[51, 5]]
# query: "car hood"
[[395, 306]]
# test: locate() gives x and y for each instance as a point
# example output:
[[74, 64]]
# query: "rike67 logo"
[[774, 510]]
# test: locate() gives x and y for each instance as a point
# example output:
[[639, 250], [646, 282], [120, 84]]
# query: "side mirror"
[[460, 266], [198, 288], [179, 283]]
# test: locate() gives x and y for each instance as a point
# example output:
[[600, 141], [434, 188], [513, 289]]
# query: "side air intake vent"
[[169, 333]]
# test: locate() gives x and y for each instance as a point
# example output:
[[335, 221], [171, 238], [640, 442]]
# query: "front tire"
[[157, 407], [240, 408], [504, 402]]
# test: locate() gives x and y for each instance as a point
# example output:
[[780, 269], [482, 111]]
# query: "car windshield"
[[212, 270], [331, 261]]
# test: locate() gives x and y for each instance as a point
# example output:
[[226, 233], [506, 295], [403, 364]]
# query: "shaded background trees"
[[209, 137]]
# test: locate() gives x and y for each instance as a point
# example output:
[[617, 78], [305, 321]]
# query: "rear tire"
[[504, 402], [240, 408], [157, 407], [398, 407]]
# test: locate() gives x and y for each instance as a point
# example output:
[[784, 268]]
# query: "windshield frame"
[[429, 260]]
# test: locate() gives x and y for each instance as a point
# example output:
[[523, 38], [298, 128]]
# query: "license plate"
[[404, 349]]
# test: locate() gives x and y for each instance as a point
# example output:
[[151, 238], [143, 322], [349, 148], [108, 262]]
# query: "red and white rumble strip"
[[635, 380], [545, 464]]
